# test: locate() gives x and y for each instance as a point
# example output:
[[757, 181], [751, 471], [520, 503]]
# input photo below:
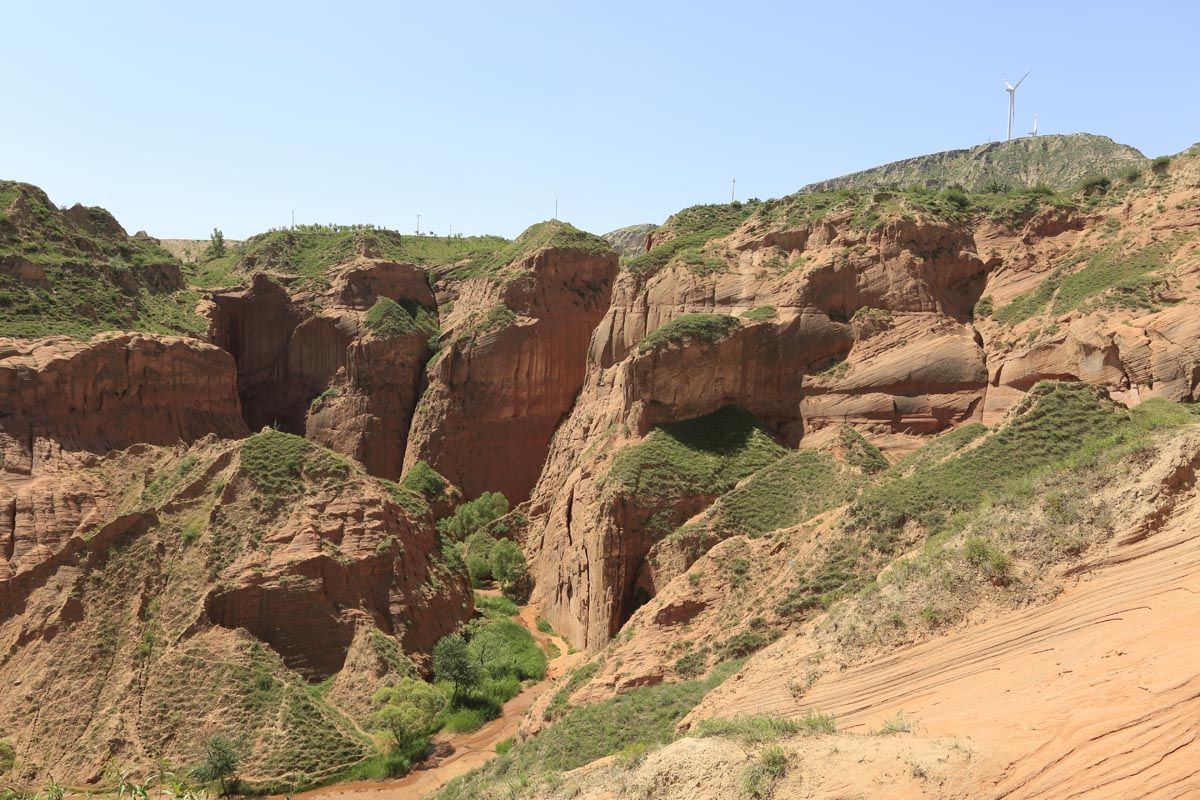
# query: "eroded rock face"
[[309, 364], [63, 395], [504, 382], [839, 325], [164, 584]]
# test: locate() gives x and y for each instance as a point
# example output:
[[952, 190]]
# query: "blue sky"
[[478, 115]]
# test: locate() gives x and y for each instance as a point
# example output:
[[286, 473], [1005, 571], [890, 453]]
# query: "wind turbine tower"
[[1034, 131], [1012, 101]]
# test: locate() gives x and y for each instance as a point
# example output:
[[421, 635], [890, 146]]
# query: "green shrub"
[[758, 779], [706, 328], [8, 756], [691, 665], [504, 648], [504, 745], [901, 723], [984, 308], [473, 515], [1097, 184], [544, 625], [1160, 164], [424, 480], [464, 720], [744, 643], [389, 318], [992, 562]]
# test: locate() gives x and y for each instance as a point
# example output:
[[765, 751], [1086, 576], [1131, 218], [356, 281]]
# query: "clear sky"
[[478, 115]]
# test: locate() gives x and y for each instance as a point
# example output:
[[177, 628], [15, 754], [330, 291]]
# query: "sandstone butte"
[[201, 528]]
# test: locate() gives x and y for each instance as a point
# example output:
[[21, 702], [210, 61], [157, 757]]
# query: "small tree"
[[216, 246], [452, 662], [408, 711], [507, 562], [220, 762]]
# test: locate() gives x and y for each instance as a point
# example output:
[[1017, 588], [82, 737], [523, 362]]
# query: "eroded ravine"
[[456, 754]]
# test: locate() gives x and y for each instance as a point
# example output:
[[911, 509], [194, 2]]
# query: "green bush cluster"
[[425, 481], [706, 328], [393, 320]]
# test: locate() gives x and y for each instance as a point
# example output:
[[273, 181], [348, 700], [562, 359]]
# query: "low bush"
[[706, 328]]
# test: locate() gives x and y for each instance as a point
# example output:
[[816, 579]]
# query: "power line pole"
[[733, 191]]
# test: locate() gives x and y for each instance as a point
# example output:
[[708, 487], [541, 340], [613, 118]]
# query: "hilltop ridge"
[[1058, 161]]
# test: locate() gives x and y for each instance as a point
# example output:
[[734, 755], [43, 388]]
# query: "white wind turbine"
[[1034, 131], [1012, 100]]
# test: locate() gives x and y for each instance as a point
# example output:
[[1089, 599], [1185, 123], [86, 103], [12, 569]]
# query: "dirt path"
[[459, 753]]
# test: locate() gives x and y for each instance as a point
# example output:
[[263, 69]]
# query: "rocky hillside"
[[77, 272], [631, 240], [1056, 161], [781, 457]]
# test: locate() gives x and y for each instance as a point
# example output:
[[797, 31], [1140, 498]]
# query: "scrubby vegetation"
[[706, 328], [706, 455], [790, 490], [499, 263], [278, 464], [641, 718], [309, 250], [392, 319], [690, 230], [425, 481]]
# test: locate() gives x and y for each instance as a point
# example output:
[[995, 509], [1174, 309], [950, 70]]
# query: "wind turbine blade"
[[1023, 77]]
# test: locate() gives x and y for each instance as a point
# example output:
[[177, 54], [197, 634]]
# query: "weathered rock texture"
[[63, 395], [159, 585], [309, 364], [513, 361], [880, 326]]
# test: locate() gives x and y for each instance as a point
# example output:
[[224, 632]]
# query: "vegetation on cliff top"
[[498, 264], [76, 272], [706, 328], [391, 319], [702, 456]]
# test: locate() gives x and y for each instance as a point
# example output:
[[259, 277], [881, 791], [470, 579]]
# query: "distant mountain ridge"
[[1057, 161]]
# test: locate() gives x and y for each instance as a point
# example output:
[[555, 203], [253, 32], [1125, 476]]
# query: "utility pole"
[[418, 224], [733, 191]]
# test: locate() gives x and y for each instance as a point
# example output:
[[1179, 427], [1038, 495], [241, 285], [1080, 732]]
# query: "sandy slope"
[[1094, 695]]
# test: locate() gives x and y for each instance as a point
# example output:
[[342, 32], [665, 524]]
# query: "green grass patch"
[[279, 463], [645, 716], [496, 604], [706, 328], [788, 491], [761, 314], [496, 264], [705, 455], [860, 453], [393, 320]]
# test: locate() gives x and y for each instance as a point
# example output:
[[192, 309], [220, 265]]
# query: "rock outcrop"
[[65, 395], [312, 363], [211, 581], [513, 360]]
